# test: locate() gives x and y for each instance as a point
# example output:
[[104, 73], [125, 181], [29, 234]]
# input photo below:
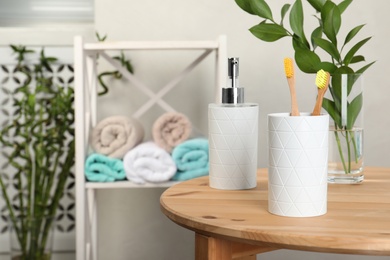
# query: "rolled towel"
[[100, 168], [148, 163], [192, 159], [114, 136], [171, 129]]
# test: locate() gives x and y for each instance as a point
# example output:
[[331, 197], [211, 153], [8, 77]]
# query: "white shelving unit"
[[85, 65]]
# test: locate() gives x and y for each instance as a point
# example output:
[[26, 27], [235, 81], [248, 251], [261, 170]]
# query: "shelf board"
[[151, 45], [127, 184]]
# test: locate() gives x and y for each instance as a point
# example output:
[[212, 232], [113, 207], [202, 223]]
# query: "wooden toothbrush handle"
[[318, 105], [294, 103]]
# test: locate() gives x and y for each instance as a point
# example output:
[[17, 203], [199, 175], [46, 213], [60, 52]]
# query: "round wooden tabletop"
[[357, 221]]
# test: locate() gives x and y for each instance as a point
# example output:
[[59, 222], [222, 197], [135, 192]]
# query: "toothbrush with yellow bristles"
[[289, 71], [322, 82]]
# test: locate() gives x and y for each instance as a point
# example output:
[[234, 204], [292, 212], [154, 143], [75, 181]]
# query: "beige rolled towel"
[[114, 136], [170, 130]]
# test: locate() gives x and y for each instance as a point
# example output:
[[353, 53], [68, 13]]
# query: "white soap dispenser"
[[233, 134]]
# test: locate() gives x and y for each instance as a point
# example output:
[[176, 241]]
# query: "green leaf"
[[353, 33], [332, 110], [336, 99], [14, 48], [338, 83], [297, 20], [358, 58], [317, 33], [298, 45], [344, 5], [326, 9], [100, 38], [353, 50], [362, 70], [336, 19], [344, 70], [284, 11], [51, 59], [245, 5], [351, 79], [317, 4], [329, 47], [331, 17], [268, 32], [336, 88], [261, 8], [307, 60], [354, 109], [327, 66]]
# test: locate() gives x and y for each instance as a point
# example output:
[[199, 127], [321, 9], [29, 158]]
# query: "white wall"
[[261, 63], [129, 231]]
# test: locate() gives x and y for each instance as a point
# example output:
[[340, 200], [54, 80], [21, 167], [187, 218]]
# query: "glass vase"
[[31, 238], [344, 103], [345, 156]]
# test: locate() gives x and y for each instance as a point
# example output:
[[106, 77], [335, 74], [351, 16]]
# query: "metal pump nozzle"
[[233, 94]]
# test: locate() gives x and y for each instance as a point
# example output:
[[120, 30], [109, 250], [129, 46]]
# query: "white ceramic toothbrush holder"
[[233, 134], [298, 164]]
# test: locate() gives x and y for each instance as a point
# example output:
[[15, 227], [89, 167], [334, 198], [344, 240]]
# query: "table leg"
[[211, 248]]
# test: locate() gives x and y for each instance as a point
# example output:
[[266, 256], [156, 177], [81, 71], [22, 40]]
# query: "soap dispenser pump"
[[233, 135]]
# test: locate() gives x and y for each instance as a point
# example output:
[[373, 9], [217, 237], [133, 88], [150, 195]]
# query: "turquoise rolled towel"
[[192, 159], [100, 168]]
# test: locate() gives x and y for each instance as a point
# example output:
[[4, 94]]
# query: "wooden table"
[[237, 225]]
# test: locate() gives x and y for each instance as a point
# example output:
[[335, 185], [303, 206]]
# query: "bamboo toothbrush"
[[289, 70], [322, 82]]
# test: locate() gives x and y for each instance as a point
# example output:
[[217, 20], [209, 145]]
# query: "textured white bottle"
[[233, 133]]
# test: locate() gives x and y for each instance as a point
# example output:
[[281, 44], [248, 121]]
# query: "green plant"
[[40, 141], [40, 145], [116, 74], [309, 52]]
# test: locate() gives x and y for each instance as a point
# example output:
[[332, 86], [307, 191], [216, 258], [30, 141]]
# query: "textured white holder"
[[298, 164], [233, 133]]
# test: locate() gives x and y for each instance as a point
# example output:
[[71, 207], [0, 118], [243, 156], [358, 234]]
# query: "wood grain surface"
[[357, 221]]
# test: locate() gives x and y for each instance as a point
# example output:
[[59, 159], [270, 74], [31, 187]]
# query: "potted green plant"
[[39, 142], [341, 59]]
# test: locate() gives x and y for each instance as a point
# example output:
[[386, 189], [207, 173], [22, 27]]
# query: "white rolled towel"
[[148, 162], [114, 136]]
